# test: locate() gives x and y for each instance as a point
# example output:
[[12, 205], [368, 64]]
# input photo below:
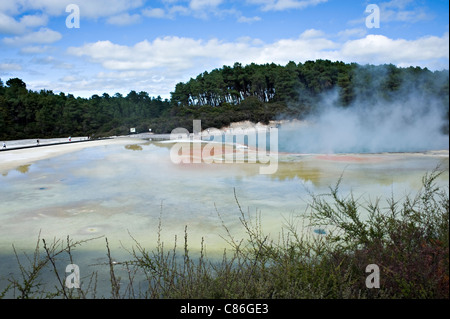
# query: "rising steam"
[[409, 122]]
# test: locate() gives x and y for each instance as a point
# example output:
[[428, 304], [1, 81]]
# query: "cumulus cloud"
[[353, 32], [112, 82], [310, 45], [280, 5], [124, 19], [381, 49], [43, 36], [34, 49], [249, 20], [178, 54], [88, 8], [6, 67], [402, 10], [204, 4], [154, 13], [24, 28], [51, 62], [9, 25], [201, 9], [161, 63]]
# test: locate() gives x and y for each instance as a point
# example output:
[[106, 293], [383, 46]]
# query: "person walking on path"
[[4, 145]]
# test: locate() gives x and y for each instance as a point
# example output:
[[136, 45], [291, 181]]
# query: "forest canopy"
[[254, 92]]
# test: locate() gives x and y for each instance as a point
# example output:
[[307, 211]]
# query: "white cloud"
[[174, 53], [204, 4], [51, 62], [312, 33], [407, 11], [179, 10], [168, 13], [44, 60], [43, 36], [305, 47], [400, 11], [6, 67], [9, 7], [70, 78], [111, 82], [178, 55], [378, 49], [9, 25], [88, 8], [32, 49], [34, 20], [281, 5], [124, 19], [354, 32], [116, 11], [180, 58], [154, 13], [202, 9], [156, 66], [243, 19]]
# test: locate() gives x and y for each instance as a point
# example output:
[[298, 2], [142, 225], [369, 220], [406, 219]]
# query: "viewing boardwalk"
[[24, 144]]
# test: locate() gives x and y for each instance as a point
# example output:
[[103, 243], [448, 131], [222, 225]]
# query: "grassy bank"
[[407, 239]]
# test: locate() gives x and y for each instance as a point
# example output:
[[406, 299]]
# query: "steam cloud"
[[411, 122]]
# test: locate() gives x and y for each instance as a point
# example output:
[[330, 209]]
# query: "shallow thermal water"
[[121, 191]]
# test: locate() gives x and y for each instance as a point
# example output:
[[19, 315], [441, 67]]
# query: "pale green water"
[[114, 190]]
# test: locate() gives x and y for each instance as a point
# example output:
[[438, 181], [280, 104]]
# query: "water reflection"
[[112, 192], [23, 169], [134, 147]]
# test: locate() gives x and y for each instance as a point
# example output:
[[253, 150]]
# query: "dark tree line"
[[264, 92], [258, 93], [303, 83], [28, 114]]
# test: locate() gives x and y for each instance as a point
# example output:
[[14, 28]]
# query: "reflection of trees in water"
[[23, 169], [298, 170], [325, 170], [133, 147]]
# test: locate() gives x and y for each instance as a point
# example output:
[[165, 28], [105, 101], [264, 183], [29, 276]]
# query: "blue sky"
[[152, 45]]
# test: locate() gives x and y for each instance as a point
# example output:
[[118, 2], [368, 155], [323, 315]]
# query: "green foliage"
[[258, 93], [408, 240], [28, 114]]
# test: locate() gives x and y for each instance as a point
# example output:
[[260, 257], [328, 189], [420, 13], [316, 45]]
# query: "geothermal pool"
[[121, 189]]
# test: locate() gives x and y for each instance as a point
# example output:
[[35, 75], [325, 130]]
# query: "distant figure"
[[70, 139], [4, 145], [37, 142]]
